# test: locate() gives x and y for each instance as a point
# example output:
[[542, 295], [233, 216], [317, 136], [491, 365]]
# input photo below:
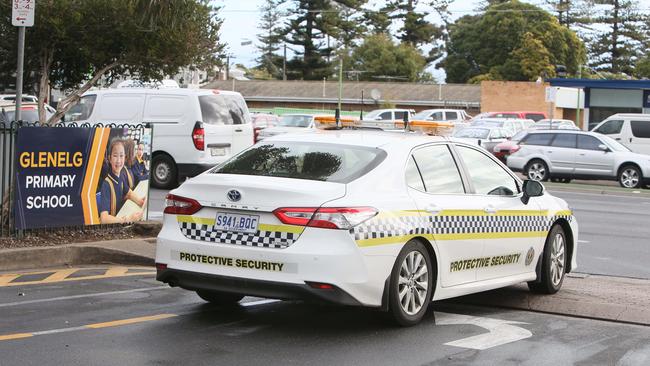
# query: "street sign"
[[550, 94], [22, 14]]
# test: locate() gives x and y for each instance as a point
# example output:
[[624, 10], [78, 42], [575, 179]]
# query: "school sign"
[[60, 171]]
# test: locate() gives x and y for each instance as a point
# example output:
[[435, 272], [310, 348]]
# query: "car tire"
[[537, 170], [411, 284], [219, 298], [163, 172], [554, 261], [630, 176]]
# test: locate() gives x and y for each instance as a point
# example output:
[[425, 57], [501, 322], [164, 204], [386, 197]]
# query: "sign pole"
[[19, 72]]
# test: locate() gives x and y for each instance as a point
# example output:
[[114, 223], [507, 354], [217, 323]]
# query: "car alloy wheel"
[[413, 283], [537, 171], [557, 259], [629, 177]]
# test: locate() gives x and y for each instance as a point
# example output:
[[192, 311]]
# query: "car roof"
[[554, 130], [173, 91], [361, 137], [642, 115]]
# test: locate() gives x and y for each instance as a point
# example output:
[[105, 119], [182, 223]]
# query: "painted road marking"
[[64, 275], [114, 323], [500, 332], [27, 302], [583, 241]]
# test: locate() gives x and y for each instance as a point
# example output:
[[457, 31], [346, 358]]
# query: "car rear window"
[[542, 139], [311, 161], [535, 116], [641, 129], [224, 109]]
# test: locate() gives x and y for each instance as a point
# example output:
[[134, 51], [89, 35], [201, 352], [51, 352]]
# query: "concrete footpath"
[[590, 296]]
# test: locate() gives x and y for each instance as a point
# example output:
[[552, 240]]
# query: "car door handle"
[[490, 210], [618, 139], [433, 209], [549, 151], [239, 130]]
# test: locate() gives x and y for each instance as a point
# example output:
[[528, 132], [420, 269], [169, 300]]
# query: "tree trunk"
[[44, 84], [74, 97]]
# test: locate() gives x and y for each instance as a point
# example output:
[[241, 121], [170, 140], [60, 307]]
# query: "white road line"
[[596, 193], [84, 296], [500, 332], [583, 241]]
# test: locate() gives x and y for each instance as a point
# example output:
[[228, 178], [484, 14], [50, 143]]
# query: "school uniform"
[[129, 177], [139, 170], [113, 193]]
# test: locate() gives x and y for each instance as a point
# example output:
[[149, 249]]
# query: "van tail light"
[[198, 136], [178, 205], [325, 217]]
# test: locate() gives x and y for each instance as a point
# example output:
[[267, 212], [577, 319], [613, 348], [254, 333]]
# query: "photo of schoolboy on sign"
[[72, 176]]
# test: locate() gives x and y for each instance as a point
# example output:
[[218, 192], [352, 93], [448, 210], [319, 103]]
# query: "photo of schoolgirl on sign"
[[72, 176]]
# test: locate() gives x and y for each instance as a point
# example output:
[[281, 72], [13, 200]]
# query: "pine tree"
[[270, 39], [616, 49]]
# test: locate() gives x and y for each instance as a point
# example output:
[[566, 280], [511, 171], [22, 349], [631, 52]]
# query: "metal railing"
[[8, 134]]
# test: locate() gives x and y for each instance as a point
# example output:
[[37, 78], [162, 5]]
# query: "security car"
[[379, 219]]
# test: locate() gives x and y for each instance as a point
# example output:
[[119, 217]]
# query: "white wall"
[[616, 98], [568, 98]]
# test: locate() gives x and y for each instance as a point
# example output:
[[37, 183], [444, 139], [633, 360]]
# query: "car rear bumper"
[[261, 288]]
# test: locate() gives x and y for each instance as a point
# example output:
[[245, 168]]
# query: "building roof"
[[461, 95], [601, 84]]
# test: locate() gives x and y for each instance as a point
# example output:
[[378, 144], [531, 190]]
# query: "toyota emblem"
[[234, 195]]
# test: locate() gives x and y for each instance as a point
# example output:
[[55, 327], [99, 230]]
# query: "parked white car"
[[568, 154], [288, 123], [395, 114], [553, 124], [194, 129], [630, 129], [512, 125], [486, 137]]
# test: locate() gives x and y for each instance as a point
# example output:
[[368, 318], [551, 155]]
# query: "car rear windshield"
[[224, 109], [295, 121], [311, 161]]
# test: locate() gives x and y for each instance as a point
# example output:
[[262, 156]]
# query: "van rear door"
[[226, 122], [639, 140]]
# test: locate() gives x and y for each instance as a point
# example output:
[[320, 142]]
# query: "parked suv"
[[388, 115], [568, 154], [194, 129], [630, 129]]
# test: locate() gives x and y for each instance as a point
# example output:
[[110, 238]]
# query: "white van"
[[630, 129], [193, 129]]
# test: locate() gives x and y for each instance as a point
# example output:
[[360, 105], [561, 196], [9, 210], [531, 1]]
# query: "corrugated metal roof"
[[292, 90]]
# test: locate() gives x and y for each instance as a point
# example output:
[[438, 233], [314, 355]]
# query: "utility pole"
[[284, 64], [22, 15], [578, 105], [227, 66]]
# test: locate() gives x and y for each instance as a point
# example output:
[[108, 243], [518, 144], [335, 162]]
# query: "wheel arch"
[[627, 163]]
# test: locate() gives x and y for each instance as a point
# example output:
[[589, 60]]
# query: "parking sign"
[[22, 14]]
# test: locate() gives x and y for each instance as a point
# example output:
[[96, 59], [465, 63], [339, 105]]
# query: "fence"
[[8, 135]]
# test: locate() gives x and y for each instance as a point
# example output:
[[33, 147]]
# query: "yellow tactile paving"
[[63, 275]]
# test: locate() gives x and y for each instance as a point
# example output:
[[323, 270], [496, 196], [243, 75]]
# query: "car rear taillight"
[[178, 205], [198, 136], [514, 149], [325, 217], [256, 134]]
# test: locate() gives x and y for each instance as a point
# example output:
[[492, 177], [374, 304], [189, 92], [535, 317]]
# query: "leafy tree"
[[510, 41], [75, 44], [617, 48], [270, 38], [311, 28], [380, 58]]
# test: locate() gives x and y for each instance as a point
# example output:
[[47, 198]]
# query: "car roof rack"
[[421, 126]]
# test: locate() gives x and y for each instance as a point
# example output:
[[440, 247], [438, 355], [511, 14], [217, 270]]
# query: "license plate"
[[218, 151], [235, 222]]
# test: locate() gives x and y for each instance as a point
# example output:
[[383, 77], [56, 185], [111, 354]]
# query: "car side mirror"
[[604, 147], [531, 188]]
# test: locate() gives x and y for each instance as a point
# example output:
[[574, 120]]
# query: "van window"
[[610, 127], [224, 109], [82, 110], [640, 129], [452, 116], [399, 115]]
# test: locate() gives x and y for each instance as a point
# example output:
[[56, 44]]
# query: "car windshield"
[[295, 121], [224, 109], [311, 161], [613, 144], [475, 133]]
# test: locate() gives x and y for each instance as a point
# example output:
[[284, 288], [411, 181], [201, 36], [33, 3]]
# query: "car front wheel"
[[537, 170], [411, 285], [554, 260], [630, 177], [163, 172]]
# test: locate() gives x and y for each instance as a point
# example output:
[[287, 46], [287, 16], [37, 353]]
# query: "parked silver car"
[[487, 137], [568, 154]]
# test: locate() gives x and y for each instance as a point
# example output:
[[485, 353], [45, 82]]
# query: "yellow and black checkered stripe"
[[267, 236], [400, 226]]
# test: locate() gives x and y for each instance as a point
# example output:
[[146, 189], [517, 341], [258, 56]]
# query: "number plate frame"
[[227, 221]]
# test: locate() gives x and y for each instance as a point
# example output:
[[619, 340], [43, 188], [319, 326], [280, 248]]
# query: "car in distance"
[[261, 121], [293, 122], [505, 148], [394, 114], [29, 112], [535, 116], [555, 124], [388, 220], [486, 137], [569, 154], [630, 129], [512, 125]]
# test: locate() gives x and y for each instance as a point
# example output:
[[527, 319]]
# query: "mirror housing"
[[604, 148], [531, 188]]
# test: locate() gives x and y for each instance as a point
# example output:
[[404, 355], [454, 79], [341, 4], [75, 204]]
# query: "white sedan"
[[377, 219]]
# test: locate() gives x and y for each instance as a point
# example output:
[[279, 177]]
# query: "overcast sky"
[[241, 18]]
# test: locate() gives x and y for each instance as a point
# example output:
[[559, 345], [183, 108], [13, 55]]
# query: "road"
[[614, 227], [133, 320]]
